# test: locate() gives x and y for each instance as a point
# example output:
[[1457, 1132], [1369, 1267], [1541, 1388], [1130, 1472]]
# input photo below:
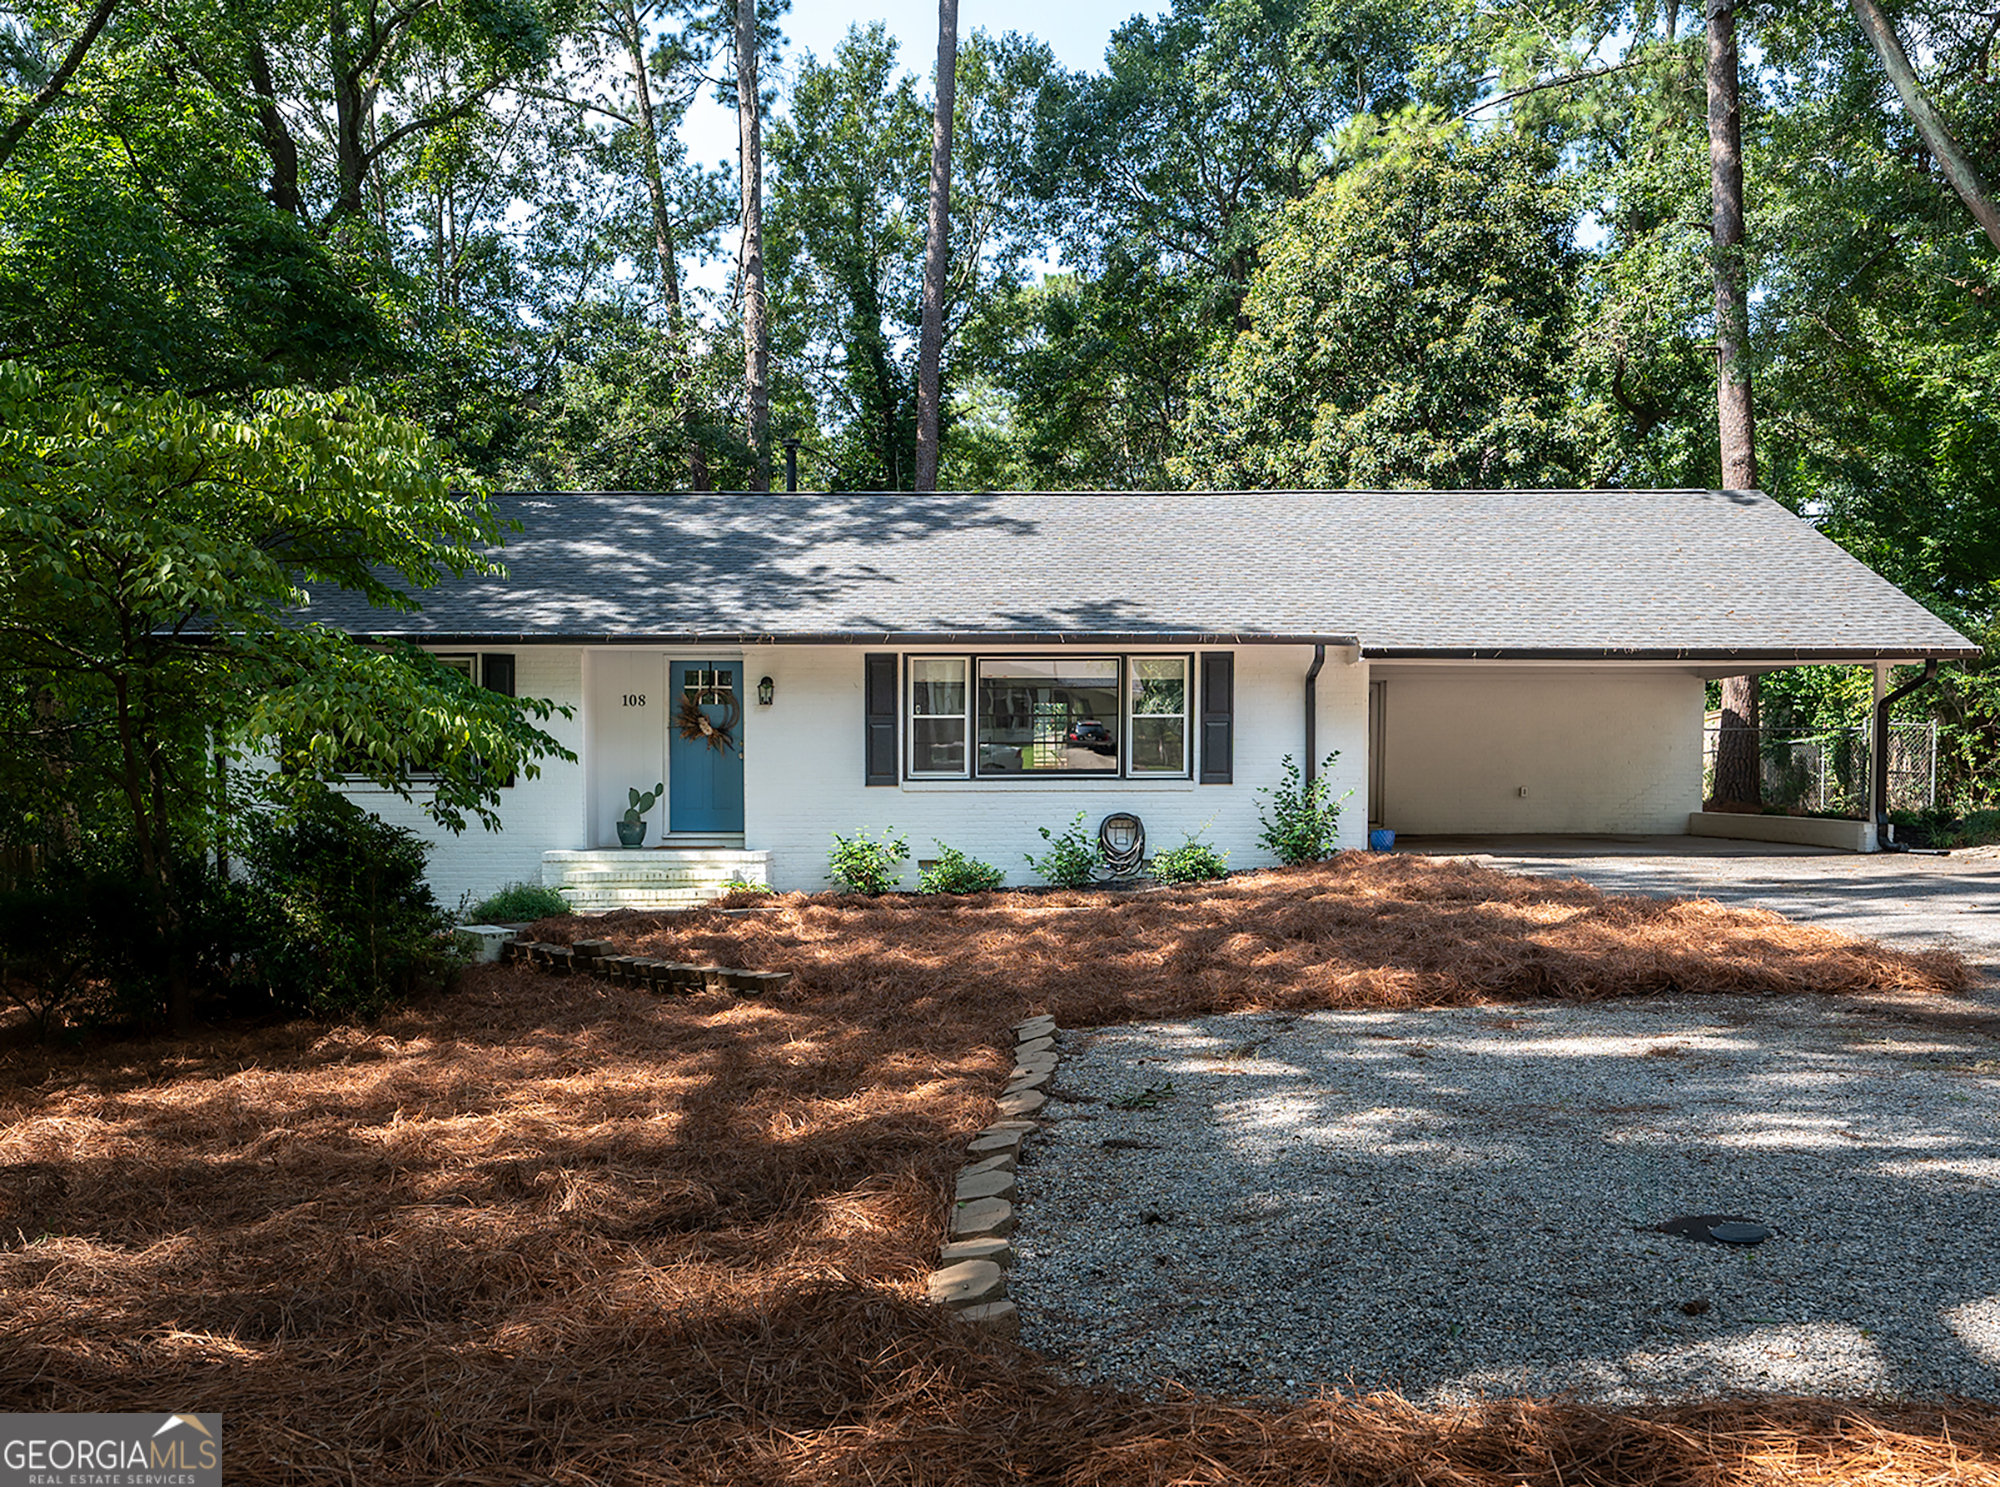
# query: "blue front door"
[[705, 772]]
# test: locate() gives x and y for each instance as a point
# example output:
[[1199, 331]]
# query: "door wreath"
[[698, 727]]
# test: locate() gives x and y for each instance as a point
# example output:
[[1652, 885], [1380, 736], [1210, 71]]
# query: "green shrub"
[[333, 919], [1073, 859], [954, 872], [744, 888], [81, 943], [350, 923], [1981, 829], [1931, 827], [1191, 862], [1304, 826], [862, 866], [516, 903]]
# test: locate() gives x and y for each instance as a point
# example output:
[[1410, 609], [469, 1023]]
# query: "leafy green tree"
[[1209, 119], [1883, 326], [1163, 176], [41, 71], [1411, 326], [158, 561], [134, 244], [848, 223], [1096, 370]]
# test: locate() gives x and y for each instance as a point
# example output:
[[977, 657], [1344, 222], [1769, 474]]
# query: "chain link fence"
[[1825, 771]]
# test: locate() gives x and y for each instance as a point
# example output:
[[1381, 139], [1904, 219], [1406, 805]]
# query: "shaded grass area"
[[551, 1230]]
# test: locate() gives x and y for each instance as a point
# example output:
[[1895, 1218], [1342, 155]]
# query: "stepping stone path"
[[971, 1277]]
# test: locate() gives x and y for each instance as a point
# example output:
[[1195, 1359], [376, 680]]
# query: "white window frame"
[[911, 716], [969, 772], [1186, 716]]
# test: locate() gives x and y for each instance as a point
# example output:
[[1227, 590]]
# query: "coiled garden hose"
[[1122, 861]]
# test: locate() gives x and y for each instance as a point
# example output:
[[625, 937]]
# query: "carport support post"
[[1885, 835], [1875, 807]]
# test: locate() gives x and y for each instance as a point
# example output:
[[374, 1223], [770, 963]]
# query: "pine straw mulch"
[[550, 1230]]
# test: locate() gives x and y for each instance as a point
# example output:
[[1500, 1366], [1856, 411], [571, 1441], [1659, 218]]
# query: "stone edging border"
[[594, 958], [971, 1278]]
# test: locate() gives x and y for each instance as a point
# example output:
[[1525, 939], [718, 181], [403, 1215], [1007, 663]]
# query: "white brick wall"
[[1597, 750], [537, 814], [803, 771]]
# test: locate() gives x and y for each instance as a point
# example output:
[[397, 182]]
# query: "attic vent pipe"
[[1312, 713], [792, 464], [1881, 752]]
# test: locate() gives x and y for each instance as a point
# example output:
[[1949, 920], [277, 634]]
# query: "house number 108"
[[635, 699]]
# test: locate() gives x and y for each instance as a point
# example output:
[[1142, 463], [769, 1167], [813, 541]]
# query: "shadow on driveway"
[[1461, 1202]]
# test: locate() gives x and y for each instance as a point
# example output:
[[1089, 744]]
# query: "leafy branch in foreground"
[[156, 562]]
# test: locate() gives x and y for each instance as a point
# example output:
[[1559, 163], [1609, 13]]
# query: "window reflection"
[[1056, 716]]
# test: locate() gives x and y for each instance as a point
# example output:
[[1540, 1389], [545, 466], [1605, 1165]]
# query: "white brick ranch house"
[[967, 667]]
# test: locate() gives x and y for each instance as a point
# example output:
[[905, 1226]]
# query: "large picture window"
[[1034, 717], [1059, 716]]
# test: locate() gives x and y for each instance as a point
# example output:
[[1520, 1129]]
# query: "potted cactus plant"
[[632, 825]]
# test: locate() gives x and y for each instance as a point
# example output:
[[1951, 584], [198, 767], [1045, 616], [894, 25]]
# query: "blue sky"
[[1076, 30]]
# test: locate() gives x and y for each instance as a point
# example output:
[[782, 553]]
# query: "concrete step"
[[595, 900], [642, 878]]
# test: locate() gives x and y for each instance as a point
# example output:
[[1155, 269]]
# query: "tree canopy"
[[1410, 325], [1264, 242]]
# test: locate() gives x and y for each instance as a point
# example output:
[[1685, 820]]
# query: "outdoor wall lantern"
[[766, 690]]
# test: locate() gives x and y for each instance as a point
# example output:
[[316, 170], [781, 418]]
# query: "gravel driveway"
[[1907, 899], [1460, 1202]]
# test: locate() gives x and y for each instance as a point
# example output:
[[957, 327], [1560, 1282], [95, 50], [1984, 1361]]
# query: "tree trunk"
[[1738, 771], [276, 138], [937, 255], [1734, 407], [141, 777], [756, 339], [1951, 157], [350, 116], [627, 21]]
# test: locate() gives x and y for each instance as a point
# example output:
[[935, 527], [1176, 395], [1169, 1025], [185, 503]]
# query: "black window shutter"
[[496, 674], [880, 702], [1218, 717]]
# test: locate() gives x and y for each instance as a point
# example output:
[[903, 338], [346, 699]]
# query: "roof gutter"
[[1884, 832], [1801, 655]]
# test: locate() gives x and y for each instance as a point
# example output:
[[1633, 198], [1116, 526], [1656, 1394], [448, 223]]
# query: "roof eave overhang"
[[877, 637], [1692, 655], [1745, 656]]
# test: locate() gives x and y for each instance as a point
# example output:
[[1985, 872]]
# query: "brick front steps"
[[650, 877]]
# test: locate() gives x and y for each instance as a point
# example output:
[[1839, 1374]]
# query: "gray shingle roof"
[[1696, 574]]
